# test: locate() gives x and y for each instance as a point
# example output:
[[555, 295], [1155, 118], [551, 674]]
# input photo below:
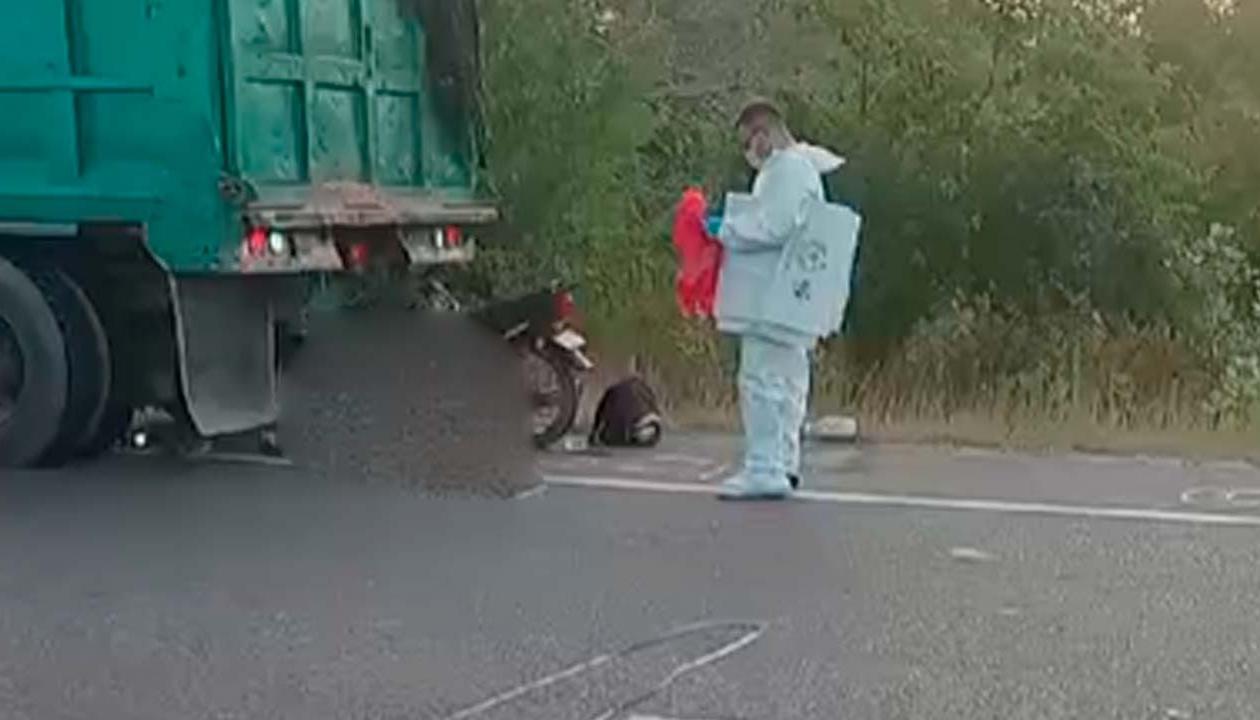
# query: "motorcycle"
[[544, 329]]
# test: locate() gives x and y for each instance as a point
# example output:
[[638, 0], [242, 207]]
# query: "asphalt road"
[[144, 589]]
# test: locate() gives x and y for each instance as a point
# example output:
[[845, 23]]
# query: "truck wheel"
[[33, 377], [87, 362]]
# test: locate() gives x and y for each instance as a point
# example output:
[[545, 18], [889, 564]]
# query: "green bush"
[[1060, 214]]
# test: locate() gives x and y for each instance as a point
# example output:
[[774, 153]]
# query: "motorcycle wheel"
[[650, 435], [554, 391]]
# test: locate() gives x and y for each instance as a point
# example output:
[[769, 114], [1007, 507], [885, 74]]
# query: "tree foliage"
[[1097, 160]]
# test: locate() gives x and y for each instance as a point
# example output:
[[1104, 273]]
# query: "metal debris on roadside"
[[832, 428]]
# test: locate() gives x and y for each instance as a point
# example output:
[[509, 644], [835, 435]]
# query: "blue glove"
[[713, 224]]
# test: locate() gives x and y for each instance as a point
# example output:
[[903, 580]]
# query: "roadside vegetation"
[[1061, 197]]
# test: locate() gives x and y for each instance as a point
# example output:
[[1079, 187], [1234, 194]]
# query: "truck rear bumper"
[[338, 227], [306, 251], [362, 206]]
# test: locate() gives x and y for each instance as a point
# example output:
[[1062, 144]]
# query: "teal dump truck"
[[171, 171]]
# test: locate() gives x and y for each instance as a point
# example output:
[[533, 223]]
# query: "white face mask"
[[756, 149]]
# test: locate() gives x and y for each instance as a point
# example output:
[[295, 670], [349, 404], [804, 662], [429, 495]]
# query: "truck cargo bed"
[[192, 118]]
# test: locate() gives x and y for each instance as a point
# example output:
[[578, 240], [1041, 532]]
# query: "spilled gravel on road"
[[425, 400]]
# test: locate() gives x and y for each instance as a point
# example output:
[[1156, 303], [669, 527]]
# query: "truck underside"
[[171, 178], [93, 327], [75, 354]]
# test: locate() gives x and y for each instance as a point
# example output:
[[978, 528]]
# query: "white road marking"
[[918, 502], [688, 668], [528, 688], [1248, 498], [531, 493], [754, 633], [1197, 495], [1224, 498]]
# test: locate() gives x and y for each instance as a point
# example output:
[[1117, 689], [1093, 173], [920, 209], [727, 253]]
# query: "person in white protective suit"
[[783, 286]]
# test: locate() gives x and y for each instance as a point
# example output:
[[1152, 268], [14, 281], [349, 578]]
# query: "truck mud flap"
[[227, 350]]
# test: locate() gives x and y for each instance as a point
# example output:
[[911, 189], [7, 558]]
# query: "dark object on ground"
[[627, 416], [794, 481], [426, 400]]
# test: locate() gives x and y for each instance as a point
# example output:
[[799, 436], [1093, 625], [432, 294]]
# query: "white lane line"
[[753, 634], [531, 492], [918, 502], [684, 670], [523, 690]]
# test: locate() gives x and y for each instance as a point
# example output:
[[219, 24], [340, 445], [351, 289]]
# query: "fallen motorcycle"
[[543, 327]]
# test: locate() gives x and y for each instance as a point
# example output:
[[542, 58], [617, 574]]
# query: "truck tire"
[[33, 378], [87, 363], [118, 410]]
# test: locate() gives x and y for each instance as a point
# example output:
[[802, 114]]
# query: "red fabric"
[[699, 257]]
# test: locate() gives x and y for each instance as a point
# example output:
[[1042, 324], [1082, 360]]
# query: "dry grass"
[[975, 430], [974, 377], [1043, 437], [1025, 430]]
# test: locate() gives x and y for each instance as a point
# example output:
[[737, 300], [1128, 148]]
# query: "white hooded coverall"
[[783, 286]]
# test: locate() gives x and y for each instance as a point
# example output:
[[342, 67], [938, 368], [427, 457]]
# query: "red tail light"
[[566, 307], [359, 253], [256, 241], [454, 236]]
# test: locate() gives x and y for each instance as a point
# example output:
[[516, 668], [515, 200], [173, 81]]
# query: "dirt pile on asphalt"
[[421, 399]]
